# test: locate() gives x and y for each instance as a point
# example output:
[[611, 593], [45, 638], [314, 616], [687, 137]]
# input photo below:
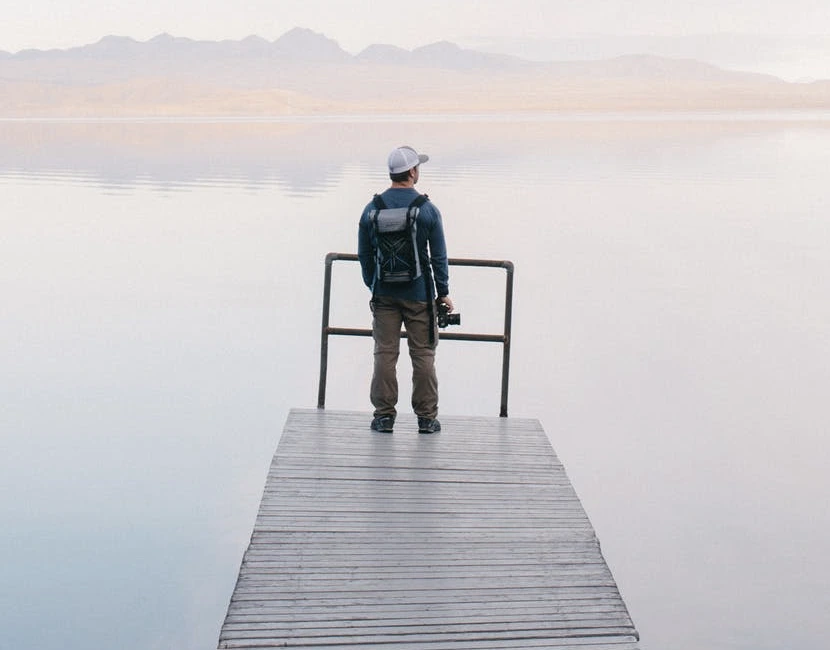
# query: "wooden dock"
[[469, 539]]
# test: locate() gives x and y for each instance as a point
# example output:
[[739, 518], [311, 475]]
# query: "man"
[[409, 303]]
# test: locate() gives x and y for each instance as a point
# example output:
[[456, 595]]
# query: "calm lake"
[[161, 290]]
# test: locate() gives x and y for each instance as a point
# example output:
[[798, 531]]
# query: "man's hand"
[[446, 300]]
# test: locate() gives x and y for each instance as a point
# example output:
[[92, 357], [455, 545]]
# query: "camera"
[[445, 317]]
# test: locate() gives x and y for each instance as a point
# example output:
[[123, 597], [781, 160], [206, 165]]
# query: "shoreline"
[[598, 115]]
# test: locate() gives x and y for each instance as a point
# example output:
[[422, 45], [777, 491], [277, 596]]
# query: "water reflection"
[[170, 156], [309, 158]]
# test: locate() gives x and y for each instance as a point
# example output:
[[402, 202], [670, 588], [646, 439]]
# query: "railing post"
[[508, 324], [324, 332]]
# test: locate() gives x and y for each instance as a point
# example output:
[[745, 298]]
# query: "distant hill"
[[794, 58], [297, 45], [304, 72]]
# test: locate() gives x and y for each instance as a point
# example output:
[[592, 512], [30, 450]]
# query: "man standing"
[[410, 303]]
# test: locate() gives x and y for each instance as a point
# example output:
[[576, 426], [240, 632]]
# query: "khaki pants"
[[389, 314]]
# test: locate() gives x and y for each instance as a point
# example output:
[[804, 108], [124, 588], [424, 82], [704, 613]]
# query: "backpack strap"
[[378, 201], [418, 201]]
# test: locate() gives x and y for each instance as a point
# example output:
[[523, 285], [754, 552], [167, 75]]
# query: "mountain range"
[[304, 72]]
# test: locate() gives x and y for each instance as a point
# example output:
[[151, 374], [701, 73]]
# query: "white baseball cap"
[[405, 158]]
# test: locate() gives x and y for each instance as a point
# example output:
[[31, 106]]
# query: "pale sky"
[[45, 24]]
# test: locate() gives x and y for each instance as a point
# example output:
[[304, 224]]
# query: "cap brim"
[[422, 158]]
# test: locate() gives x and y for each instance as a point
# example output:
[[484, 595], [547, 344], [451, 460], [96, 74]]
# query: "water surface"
[[162, 289]]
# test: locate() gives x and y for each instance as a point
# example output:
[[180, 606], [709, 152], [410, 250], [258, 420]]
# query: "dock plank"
[[470, 539]]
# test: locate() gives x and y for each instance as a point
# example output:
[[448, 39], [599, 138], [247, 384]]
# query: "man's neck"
[[404, 185]]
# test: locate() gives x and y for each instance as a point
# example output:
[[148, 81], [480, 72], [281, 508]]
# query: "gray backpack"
[[394, 236]]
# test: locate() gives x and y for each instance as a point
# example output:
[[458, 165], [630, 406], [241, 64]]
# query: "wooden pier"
[[469, 539]]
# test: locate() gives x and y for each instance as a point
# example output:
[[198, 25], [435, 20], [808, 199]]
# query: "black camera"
[[445, 317]]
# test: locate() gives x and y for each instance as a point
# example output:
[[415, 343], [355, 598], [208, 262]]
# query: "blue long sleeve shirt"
[[431, 246]]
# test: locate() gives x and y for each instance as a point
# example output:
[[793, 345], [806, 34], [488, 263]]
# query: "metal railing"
[[504, 338]]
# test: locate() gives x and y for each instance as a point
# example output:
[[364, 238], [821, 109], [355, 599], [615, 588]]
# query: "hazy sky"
[[45, 24]]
